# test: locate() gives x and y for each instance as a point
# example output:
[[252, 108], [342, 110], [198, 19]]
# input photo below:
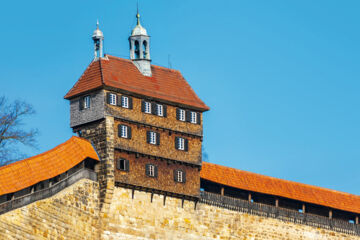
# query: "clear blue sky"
[[281, 77]]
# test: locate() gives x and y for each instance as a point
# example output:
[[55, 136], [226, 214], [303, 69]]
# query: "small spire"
[[97, 24], [137, 13]]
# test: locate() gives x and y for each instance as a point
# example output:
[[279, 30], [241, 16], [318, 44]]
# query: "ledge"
[[83, 173]]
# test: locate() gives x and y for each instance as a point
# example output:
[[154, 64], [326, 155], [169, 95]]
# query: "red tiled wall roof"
[[278, 187], [27, 172], [165, 84]]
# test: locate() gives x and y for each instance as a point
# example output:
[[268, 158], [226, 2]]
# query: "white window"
[[112, 99], [181, 114], [151, 170], [160, 111], [180, 176], [86, 102], [124, 131], [125, 102], [181, 143], [193, 117], [152, 139], [147, 107]]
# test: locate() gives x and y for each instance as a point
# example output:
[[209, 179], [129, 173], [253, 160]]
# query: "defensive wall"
[[74, 213]]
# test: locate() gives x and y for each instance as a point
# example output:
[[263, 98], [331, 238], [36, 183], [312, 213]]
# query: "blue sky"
[[281, 77]]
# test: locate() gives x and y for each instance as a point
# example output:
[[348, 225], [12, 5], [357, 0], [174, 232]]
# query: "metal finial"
[[97, 24], [137, 13]]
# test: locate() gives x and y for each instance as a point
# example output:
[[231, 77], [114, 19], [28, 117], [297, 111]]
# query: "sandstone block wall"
[[74, 214], [139, 218], [71, 214]]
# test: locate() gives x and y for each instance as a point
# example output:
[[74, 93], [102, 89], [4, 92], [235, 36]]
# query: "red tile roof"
[[278, 187], [165, 84], [27, 172]]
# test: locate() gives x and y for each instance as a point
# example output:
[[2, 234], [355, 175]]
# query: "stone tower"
[[145, 122]]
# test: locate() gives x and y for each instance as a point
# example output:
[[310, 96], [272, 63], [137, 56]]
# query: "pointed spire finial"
[[137, 13], [97, 24]]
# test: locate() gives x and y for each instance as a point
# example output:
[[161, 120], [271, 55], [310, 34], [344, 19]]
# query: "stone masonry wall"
[[71, 214], [139, 218], [74, 214], [166, 149]]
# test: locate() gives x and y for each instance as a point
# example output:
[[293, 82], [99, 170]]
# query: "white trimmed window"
[[179, 176], [193, 117], [147, 107], [124, 131], [125, 101], [160, 110], [151, 170], [181, 143], [112, 99], [86, 102], [181, 114], [152, 139]]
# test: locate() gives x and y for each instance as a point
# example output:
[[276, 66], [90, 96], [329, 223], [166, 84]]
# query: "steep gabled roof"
[[165, 84], [279, 187], [27, 172]]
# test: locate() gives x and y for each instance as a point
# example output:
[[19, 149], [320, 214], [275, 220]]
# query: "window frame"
[[151, 170], [147, 107], [126, 164], [180, 176], [182, 115], [86, 102], [193, 116], [125, 130], [159, 108], [125, 104], [113, 99], [152, 138]]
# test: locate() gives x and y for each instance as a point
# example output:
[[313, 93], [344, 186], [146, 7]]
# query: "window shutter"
[[108, 97], [147, 169], [148, 136], [165, 110], [127, 165], [157, 138], [129, 132], [154, 108], [118, 100], [118, 164], [81, 103], [184, 177], [198, 120], [187, 116], [155, 171], [119, 130], [186, 147], [142, 105], [177, 113], [176, 142], [175, 176], [130, 103]]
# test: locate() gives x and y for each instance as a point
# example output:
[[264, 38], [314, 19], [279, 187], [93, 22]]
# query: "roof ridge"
[[285, 180], [156, 66]]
